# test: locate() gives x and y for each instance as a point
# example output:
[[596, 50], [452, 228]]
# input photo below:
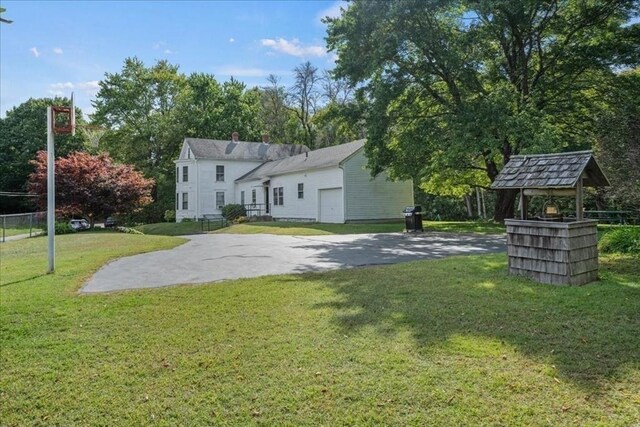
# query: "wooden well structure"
[[552, 248]]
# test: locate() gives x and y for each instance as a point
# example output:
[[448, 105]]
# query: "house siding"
[[314, 181], [202, 185], [247, 187], [189, 187], [372, 199], [347, 190]]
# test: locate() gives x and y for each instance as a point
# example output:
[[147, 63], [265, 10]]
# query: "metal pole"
[[51, 198]]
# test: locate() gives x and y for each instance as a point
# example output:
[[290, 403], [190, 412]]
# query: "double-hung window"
[[300, 190], [177, 174], [242, 197], [253, 197], [185, 174], [219, 199], [185, 201], [278, 196], [219, 172]]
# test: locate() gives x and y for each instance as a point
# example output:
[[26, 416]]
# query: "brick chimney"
[[235, 137], [265, 138]]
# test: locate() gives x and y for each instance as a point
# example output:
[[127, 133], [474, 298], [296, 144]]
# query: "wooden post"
[[524, 205], [579, 201]]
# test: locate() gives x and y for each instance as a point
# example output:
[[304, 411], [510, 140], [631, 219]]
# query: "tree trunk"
[[467, 200], [601, 203], [479, 203], [505, 205]]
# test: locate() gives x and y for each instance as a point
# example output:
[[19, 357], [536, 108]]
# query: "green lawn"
[[305, 229], [440, 342], [179, 228], [17, 231]]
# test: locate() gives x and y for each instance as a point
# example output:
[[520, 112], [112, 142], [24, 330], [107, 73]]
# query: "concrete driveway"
[[216, 257]]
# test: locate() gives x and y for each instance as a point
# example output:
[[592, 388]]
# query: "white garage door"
[[331, 209]]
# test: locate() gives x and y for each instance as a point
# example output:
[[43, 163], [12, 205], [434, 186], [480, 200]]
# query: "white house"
[[287, 182]]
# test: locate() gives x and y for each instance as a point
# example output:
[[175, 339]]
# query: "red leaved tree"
[[92, 186]]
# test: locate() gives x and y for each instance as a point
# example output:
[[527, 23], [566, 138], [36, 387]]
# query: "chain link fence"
[[15, 226]]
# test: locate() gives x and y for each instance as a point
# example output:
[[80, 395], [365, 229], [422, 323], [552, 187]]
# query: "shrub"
[[62, 227], [170, 215], [241, 220], [128, 230], [624, 240], [231, 212]]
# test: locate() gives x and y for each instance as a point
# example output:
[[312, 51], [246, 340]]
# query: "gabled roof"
[[317, 159], [214, 149], [560, 170]]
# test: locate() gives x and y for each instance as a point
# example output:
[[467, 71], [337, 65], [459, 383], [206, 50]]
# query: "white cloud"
[[60, 86], [293, 47], [59, 89], [91, 86], [332, 11], [231, 40], [241, 71], [34, 51], [57, 51], [169, 52]]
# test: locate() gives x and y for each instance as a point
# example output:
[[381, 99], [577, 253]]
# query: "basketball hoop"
[[63, 119], [93, 134]]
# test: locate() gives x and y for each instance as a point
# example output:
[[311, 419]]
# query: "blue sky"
[[56, 47]]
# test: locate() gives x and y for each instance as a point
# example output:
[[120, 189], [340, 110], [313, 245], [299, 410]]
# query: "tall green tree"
[[464, 85], [209, 109], [303, 98], [338, 119], [618, 141], [23, 132], [274, 114], [139, 107]]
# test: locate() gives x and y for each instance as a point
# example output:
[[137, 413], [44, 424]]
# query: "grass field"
[[179, 228], [440, 342], [310, 229], [305, 229], [8, 232]]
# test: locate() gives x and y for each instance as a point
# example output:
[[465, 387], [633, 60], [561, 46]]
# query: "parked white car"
[[79, 224]]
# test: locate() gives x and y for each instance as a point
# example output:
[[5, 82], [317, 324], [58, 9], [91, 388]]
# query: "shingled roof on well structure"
[[241, 150], [316, 159], [560, 170]]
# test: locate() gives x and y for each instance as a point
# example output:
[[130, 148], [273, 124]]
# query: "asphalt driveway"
[[217, 257]]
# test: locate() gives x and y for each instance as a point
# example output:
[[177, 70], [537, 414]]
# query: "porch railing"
[[257, 209]]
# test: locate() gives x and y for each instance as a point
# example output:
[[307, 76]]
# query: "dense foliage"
[[445, 92], [459, 87], [91, 186], [618, 141], [625, 240], [23, 132]]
